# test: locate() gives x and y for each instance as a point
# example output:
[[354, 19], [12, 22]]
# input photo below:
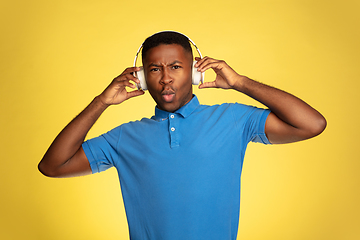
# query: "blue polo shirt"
[[180, 172]]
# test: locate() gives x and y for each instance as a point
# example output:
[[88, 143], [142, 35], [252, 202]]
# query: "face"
[[168, 70]]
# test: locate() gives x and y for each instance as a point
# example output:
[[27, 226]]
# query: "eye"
[[176, 67], [154, 69]]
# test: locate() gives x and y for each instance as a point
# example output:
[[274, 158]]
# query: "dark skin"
[[168, 76], [168, 73]]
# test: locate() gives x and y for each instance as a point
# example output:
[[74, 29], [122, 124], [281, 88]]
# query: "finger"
[[205, 61], [214, 64], [127, 76], [127, 83], [128, 73], [135, 93], [208, 85], [130, 70], [200, 61]]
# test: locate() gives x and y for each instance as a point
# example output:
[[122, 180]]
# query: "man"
[[180, 170]]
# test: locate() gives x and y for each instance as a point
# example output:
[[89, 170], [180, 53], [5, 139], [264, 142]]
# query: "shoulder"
[[129, 125], [236, 111], [222, 111], [137, 126], [224, 107]]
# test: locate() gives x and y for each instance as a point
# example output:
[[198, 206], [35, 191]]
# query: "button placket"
[[174, 136]]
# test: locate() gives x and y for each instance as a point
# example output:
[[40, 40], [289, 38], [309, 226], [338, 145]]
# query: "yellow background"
[[56, 56]]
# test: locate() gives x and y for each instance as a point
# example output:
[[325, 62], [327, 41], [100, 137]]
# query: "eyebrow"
[[173, 63]]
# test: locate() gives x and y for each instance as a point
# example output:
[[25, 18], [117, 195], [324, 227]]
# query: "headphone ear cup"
[[196, 76], [141, 76]]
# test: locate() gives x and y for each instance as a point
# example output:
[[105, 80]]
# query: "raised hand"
[[226, 77], [116, 92]]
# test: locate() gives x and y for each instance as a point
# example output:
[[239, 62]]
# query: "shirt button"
[[172, 116], [172, 129]]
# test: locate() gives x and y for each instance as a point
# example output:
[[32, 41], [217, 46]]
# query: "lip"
[[168, 97], [167, 92]]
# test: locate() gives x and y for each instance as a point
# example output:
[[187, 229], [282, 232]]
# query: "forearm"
[[70, 139], [290, 109], [65, 157]]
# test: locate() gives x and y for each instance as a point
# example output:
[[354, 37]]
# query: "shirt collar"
[[184, 111]]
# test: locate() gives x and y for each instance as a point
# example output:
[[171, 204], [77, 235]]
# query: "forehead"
[[167, 52]]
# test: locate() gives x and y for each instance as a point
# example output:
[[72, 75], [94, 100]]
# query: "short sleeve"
[[101, 151], [251, 122], [259, 133]]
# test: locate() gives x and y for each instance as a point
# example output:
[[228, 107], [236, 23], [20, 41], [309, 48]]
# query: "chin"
[[168, 107]]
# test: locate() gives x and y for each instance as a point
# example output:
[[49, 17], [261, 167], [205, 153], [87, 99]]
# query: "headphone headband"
[[192, 42]]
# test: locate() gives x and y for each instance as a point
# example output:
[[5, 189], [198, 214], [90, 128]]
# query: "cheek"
[[187, 79], [185, 87], [152, 82]]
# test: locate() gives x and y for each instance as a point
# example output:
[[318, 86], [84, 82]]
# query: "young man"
[[180, 170]]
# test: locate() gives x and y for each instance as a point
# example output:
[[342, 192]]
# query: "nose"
[[166, 77]]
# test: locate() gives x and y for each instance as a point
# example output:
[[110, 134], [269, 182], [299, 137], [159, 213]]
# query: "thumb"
[[135, 93], [207, 85]]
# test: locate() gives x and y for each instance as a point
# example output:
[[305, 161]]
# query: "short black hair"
[[166, 37]]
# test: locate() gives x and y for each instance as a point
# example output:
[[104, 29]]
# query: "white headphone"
[[197, 77]]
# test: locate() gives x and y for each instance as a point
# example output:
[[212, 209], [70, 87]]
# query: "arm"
[[65, 157], [290, 120]]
